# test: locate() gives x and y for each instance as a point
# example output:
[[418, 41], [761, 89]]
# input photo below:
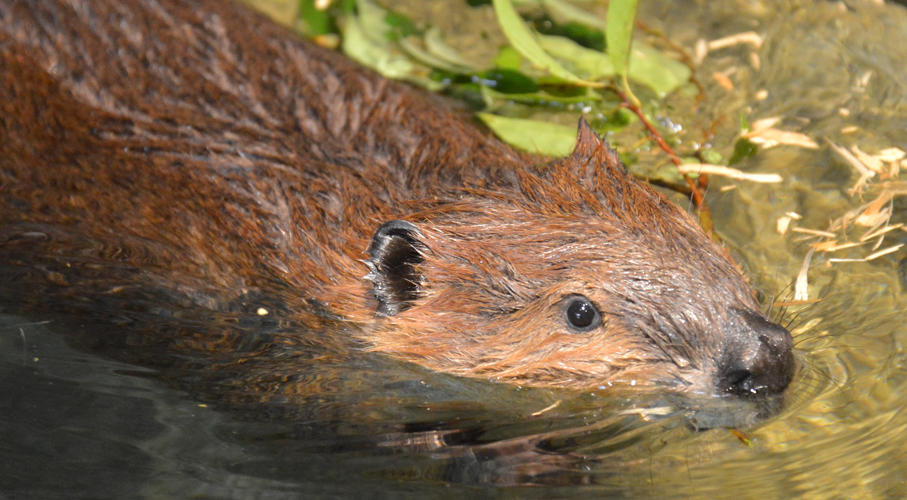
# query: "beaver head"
[[580, 276]]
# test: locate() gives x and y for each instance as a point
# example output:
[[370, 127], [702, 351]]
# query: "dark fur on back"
[[160, 126]]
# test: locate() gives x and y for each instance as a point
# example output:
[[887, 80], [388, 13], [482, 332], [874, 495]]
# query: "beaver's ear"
[[393, 256], [590, 146], [587, 141]]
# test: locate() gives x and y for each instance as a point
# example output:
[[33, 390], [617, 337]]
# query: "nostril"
[[739, 382]]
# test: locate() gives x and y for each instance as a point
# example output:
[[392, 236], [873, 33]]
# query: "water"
[[75, 423]]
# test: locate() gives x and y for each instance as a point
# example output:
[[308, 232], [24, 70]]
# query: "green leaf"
[[564, 19], [619, 33], [744, 123], [508, 58], [523, 40], [648, 66], [364, 40], [436, 46], [743, 149], [401, 26], [656, 70], [545, 98], [317, 21], [709, 155], [348, 7], [668, 174], [428, 59], [588, 63], [567, 12], [372, 20], [579, 33], [531, 135], [507, 81], [583, 35], [616, 120]]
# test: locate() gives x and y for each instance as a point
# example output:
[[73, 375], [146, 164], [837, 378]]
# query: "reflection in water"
[[73, 421], [375, 416]]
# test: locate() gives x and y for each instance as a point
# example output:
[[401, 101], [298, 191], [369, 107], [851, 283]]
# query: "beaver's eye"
[[581, 313]]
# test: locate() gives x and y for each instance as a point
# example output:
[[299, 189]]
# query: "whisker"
[[793, 319], [775, 309]]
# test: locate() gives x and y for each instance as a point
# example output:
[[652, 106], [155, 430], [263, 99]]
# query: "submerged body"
[[194, 149]]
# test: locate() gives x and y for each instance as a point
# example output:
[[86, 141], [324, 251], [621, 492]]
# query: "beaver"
[[198, 150]]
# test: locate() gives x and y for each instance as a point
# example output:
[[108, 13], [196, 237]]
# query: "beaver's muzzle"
[[757, 357]]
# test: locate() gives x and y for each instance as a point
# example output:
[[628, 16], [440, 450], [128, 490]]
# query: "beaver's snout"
[[757, 359]]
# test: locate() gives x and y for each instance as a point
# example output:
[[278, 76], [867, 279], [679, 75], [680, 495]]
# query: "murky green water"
[[73, 424]]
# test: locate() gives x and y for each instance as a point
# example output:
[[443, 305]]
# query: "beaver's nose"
[[758, 357]]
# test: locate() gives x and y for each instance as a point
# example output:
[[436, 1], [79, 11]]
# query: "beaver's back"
[[143, 128]]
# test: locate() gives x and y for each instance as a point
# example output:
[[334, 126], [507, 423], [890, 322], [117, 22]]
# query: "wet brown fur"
[[197, 148]]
